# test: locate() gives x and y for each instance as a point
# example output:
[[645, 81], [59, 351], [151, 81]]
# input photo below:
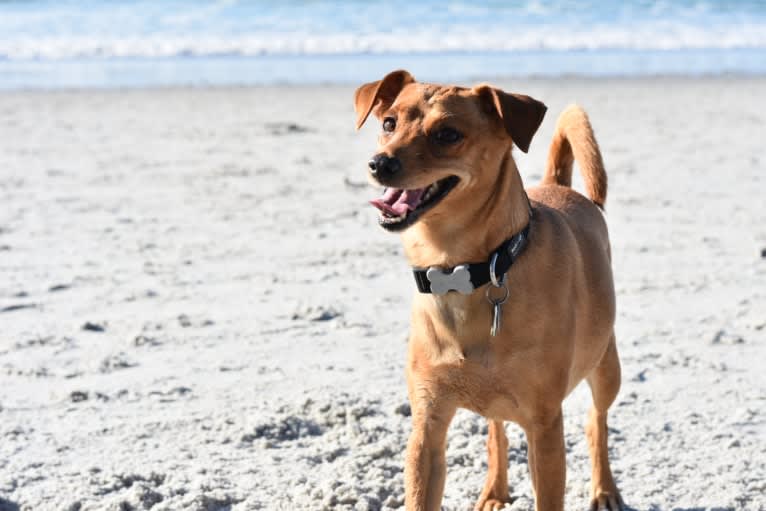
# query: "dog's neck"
[[480, 226]]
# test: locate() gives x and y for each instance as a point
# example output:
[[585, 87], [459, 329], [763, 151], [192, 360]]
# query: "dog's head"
[[439, 144]]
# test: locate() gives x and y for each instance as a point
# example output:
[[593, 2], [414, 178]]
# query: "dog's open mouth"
[[401, 208]]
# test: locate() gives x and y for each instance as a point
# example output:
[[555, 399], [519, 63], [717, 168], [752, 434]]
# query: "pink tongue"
[[396, 202]]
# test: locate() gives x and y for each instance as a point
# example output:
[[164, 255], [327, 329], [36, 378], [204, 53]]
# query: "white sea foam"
[[158, 46]]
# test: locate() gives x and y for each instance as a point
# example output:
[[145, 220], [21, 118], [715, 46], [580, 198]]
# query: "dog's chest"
[[474, 377], [484, 372], [455, 319]]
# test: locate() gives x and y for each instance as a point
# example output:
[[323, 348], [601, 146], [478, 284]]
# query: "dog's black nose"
[[383, 166]]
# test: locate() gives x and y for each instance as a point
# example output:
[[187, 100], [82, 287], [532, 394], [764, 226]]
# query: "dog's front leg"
[[426, 468], [547, 461]]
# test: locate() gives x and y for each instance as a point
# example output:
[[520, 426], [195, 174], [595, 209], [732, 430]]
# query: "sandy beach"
[[198, 310]]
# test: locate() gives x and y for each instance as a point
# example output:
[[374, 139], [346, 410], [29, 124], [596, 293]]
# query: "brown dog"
[[456, 195]]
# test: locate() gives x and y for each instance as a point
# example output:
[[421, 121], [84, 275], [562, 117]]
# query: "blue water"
[[89, 43]]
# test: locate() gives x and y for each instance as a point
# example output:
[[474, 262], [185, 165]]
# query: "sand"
[[199, 312]]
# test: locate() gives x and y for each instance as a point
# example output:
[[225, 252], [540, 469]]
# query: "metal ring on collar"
[[498, 301]]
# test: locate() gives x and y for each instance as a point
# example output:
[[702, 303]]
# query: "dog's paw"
[[607, 501], [490, 504]]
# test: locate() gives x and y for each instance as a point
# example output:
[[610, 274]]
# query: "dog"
[[516, 301]]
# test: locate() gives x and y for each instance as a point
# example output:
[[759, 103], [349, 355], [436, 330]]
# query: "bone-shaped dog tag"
[[459, 280]]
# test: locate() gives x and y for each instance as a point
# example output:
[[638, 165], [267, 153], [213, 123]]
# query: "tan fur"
[[574, 140], [558, 323]]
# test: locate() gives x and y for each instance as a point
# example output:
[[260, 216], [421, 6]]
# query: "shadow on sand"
[[7, 505]]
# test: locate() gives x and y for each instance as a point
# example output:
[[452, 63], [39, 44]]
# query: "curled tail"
[[574, 140]]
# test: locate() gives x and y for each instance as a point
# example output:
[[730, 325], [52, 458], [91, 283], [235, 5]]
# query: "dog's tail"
[[574, 140]]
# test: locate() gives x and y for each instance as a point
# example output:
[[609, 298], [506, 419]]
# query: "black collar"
[[466, 278]]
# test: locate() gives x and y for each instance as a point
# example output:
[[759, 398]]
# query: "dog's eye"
[[389, 124], [447, 136]]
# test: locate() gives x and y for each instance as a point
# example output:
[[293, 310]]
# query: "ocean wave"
[[653, 38]]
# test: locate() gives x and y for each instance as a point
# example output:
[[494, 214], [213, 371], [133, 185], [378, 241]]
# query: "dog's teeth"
[[393, 219], [431, 191]]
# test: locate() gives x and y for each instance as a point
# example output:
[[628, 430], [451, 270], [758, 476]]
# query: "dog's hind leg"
[[604, 383], [495, 493]]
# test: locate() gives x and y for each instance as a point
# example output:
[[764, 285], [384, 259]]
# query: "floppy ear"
[[521, 115], [380, 94]]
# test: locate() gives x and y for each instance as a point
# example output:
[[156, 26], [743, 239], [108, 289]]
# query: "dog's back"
[[574, 230]]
